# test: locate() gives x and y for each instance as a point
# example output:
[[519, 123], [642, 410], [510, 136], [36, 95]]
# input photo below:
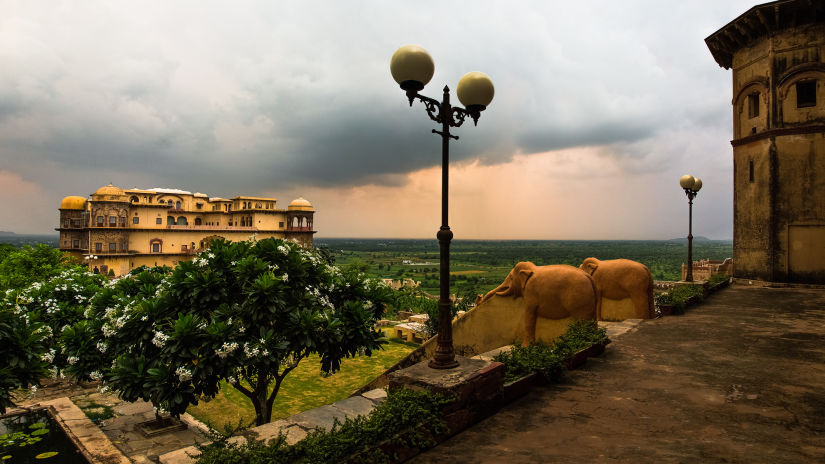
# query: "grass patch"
[[95, 411], [304, 388]]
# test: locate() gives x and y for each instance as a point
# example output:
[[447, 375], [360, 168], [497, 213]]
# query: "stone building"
[[120, 229], [777, 52]]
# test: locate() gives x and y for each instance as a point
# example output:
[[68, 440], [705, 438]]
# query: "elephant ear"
[[590, 265], [524, 276]]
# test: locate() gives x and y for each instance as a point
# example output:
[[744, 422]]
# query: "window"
[[805, 94], [156, 244], [98, 246], [124, 246], [199, 205], [170, 221], [281, 224], [135, 220], [750, 171], [122, 221], [197, 221], [177, 204], [100, 221], [75, 243], [112, 247], [182, 221], [753, 105], [258, 205], [112, 221], [66, 222]]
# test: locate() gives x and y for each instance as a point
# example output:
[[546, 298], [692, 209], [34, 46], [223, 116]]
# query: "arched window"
[[177, 205], [134, 199], [170, 221], [156, 245], [197, 221], [182, 221]]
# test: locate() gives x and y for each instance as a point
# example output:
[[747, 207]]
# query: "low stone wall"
[[497, 322]]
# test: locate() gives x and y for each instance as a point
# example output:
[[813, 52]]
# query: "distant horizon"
[[695, 238]]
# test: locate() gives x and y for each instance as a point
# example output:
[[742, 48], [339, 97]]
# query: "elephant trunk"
[[502, 290]]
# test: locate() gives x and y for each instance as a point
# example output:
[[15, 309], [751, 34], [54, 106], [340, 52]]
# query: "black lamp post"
[[412, 67], [691, 185]]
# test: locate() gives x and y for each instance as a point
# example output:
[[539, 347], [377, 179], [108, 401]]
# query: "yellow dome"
[[73, 203], [299, 204], [109, 190]]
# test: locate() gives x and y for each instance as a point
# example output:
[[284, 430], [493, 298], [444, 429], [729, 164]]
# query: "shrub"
[[548, 359], [407, 418]]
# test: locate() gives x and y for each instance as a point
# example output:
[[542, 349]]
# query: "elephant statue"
[[618, 279], [553, 292]]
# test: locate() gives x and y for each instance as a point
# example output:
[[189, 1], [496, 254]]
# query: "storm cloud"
[[265, 96]]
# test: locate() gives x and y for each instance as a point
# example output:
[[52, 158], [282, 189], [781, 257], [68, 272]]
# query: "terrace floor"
[[740, 378]]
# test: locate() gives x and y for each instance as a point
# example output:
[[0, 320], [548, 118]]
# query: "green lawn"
[[304, 388]]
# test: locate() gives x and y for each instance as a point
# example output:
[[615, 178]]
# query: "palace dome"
[[73, 203], [109, 190], [299, 204]]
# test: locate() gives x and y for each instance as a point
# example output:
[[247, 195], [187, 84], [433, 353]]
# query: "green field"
[[482, 264], [304, 388]]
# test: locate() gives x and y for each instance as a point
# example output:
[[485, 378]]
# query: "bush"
[[678, 297], [548, 359], [407, 418], [717, 279]]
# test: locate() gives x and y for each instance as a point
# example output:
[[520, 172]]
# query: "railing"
[[202, 227], [299, 229]]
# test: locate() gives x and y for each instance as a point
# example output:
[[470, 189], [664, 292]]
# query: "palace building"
[[120, 229], [776, 51]]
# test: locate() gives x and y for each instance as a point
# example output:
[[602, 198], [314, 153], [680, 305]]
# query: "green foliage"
[[548, 359], [407, 418], [677, 297], [717, 279], [244, 312], [29, 264], [21, 347]]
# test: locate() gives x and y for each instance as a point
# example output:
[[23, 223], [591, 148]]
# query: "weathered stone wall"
[[779, 158]]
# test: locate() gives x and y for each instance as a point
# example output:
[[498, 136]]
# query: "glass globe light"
[[475, 91], [412, 67], [697, 185], [687, 181]]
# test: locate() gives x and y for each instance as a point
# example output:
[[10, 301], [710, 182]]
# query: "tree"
[[30, 264], [246, 313], [22, 350]]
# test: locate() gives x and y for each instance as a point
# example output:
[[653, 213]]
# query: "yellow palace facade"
[[120, 229]]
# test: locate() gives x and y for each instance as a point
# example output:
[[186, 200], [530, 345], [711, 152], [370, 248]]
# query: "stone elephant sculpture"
[[618, 279], [552, 292]]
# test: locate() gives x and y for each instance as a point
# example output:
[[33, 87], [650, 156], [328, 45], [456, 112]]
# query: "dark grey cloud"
[[260, 96]]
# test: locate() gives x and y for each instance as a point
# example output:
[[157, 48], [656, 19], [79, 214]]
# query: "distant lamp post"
[[412, 67], [691, 185]]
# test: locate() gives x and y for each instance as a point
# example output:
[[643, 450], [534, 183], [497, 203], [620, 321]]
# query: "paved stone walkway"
[[739, 379]]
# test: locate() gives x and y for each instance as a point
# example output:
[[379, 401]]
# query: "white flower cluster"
[[101, 347], [159, 339], [72, 360], [49, 356], [250, 352], [284, 249], [285, 278], [96, 375], [183, 374], [226, 349], [200, 262]]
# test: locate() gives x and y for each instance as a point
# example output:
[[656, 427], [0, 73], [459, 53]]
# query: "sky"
[[599, 108]]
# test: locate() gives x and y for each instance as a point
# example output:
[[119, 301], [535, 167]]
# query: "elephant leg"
[[530, 317], [642, 305]]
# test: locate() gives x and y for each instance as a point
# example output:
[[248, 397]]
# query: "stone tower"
[[777, 53]]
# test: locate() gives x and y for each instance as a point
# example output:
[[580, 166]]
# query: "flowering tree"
[[244, 312]]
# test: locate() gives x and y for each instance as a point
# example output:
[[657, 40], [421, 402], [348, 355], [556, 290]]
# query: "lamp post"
[[691, 185], [412, 67]]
